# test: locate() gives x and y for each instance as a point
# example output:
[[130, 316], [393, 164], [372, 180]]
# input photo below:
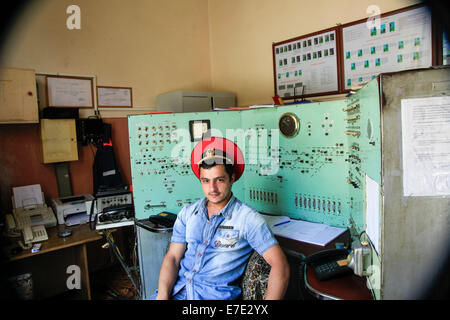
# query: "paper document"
[[257, 106], [273, 220], [373, 211], [222, 109], [28, 197], [310, 232], [426, 146]]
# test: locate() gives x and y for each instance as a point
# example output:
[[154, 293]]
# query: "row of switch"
[[156, 127], [154, 142], [266, 196], [114, 200], [330, 206]]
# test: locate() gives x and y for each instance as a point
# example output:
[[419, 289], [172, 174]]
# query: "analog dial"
[[289, 125]]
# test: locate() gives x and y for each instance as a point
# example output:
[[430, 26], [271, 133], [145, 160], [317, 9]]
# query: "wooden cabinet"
[[18, 97], [59, 140]]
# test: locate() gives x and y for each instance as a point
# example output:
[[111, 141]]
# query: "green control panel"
[[306, 161]]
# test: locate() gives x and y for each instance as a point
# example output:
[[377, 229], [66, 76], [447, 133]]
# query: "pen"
[[279, 224]]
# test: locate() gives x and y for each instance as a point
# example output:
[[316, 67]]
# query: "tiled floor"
[[112, 284]]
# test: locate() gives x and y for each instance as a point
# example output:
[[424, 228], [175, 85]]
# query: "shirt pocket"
[[225, 239]]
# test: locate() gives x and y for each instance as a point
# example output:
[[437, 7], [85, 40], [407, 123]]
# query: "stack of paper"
[[257, 106], [310, 232], [273, 220], [27, 197]]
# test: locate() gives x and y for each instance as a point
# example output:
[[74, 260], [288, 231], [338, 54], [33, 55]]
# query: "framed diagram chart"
[[398, 41], [307, 65], [335, 60]]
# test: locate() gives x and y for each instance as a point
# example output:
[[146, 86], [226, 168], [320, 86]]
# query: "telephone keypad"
[[329, 270]]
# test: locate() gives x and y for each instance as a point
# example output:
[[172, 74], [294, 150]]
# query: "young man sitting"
[[214, 237]]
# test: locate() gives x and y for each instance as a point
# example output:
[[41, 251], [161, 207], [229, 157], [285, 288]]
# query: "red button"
[[199, 254], [194, 270]]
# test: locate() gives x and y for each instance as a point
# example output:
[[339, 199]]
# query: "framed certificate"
[[114, 97], [68, 91]]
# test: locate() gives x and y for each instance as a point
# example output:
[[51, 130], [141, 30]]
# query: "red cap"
[[216, 147]]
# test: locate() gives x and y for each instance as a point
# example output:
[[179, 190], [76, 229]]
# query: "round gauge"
[[289, 125]]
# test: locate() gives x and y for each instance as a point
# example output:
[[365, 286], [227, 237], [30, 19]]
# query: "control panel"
[[306, 161]]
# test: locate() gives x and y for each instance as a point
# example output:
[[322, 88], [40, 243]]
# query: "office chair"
[[256, 276]]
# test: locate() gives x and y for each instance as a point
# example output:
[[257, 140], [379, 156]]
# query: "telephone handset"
[[330, 263], [165, 219], [31, 233]]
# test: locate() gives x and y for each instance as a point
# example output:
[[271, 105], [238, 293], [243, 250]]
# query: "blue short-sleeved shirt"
[[217, 248]]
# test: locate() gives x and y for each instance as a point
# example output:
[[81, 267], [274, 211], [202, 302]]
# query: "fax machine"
[[72, 210], [39, 214]]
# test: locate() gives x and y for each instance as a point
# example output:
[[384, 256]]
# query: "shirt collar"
[[226, 211]]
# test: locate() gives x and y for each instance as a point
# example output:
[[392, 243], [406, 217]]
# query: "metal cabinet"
[[414, 228], [194, 101], [153, 244]]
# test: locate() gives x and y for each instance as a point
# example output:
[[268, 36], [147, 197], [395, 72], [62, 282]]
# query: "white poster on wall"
[[426, 146]]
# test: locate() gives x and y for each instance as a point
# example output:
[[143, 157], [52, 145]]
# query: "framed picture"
[[114, 97], [68, 91], [307, 65], [402, 40]]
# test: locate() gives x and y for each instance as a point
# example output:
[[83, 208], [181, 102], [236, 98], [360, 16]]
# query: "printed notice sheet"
[[426, 146], [372, 216]]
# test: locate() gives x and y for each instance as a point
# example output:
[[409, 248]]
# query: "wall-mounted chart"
[[335, 60], [394, 42], [307, 65]]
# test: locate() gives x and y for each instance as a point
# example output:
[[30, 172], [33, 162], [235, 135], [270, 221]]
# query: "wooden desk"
[[49, 266], [349, 287]]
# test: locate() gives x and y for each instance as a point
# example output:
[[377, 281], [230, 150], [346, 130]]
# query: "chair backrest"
[[255, 278]]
